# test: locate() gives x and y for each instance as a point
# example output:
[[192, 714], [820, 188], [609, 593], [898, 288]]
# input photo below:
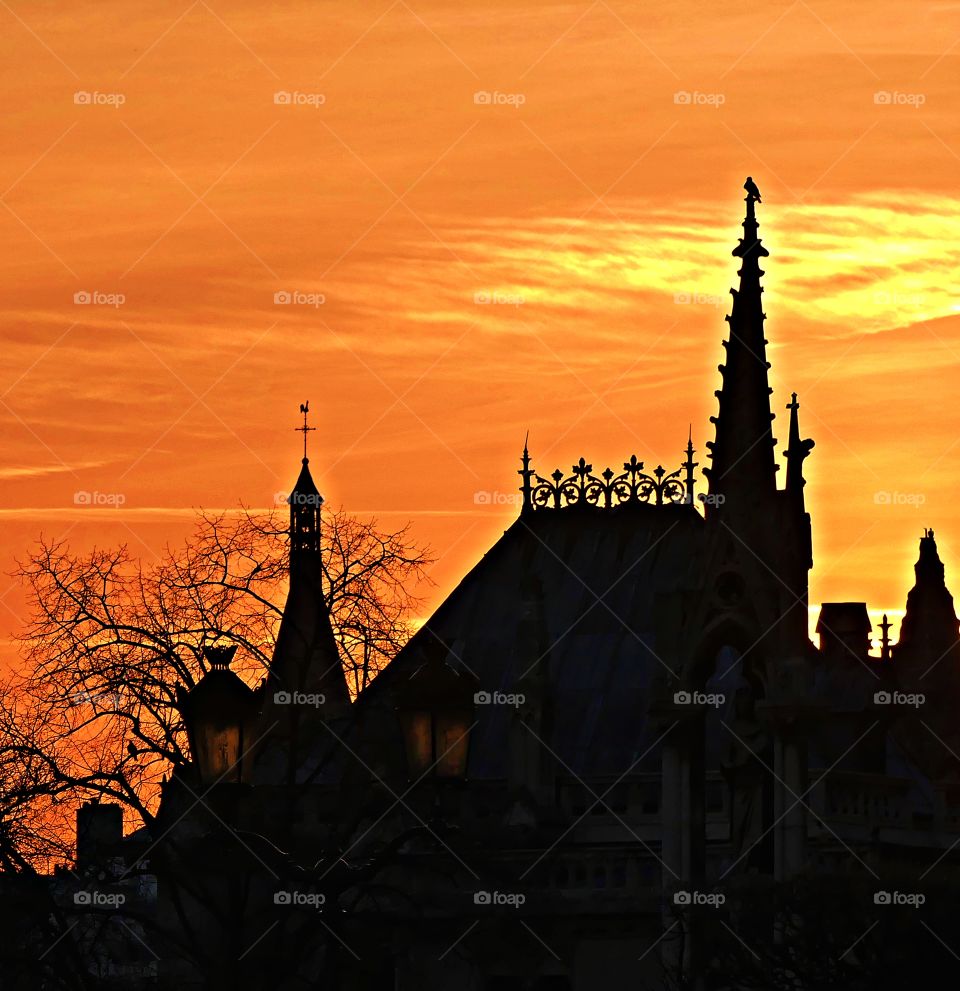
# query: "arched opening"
[[732, 757]]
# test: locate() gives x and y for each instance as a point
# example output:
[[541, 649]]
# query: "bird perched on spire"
[[305, 407], [752, 192]]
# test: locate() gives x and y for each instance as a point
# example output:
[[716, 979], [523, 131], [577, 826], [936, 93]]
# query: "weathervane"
[[305, 409]]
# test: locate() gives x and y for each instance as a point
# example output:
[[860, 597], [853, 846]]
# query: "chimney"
[[99, 832]]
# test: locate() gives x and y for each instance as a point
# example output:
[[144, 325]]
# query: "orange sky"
[[583, 197]]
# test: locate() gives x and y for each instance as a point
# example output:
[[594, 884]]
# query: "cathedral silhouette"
[[612, 732]]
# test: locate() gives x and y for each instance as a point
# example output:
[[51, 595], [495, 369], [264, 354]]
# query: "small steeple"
[[742, 462], [526, 473], [305, 682], [797, 452], [885, 638], [688, 466], [930, 621]]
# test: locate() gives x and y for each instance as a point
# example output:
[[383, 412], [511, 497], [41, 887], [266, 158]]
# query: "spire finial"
[[305, 409], [753, 196], [689, 465], [526, 473], [885, 639]]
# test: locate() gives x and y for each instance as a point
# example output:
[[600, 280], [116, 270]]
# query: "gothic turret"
[[742, 471], [930, 622], [926, 663], [305, 682]]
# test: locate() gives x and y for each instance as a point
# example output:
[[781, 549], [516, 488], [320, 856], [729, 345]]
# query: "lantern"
[[220, 713]]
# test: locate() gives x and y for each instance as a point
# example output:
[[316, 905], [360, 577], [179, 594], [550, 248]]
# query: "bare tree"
[[92, 710]]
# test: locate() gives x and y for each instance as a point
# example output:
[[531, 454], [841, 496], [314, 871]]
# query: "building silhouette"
[[616, 717]]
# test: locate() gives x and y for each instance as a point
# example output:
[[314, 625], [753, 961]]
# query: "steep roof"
[[600, 572]]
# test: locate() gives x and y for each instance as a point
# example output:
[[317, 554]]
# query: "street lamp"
[[220, 713]]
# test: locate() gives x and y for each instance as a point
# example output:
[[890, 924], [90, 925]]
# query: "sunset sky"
[[592, 192]]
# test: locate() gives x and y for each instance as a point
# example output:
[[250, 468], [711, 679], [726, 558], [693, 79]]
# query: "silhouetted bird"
[[131, 749], [751, 187], [305, 407]]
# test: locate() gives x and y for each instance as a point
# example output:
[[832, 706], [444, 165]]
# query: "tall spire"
[[743, 466]]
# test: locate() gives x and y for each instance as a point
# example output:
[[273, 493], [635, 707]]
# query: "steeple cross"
[[305, 409]]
